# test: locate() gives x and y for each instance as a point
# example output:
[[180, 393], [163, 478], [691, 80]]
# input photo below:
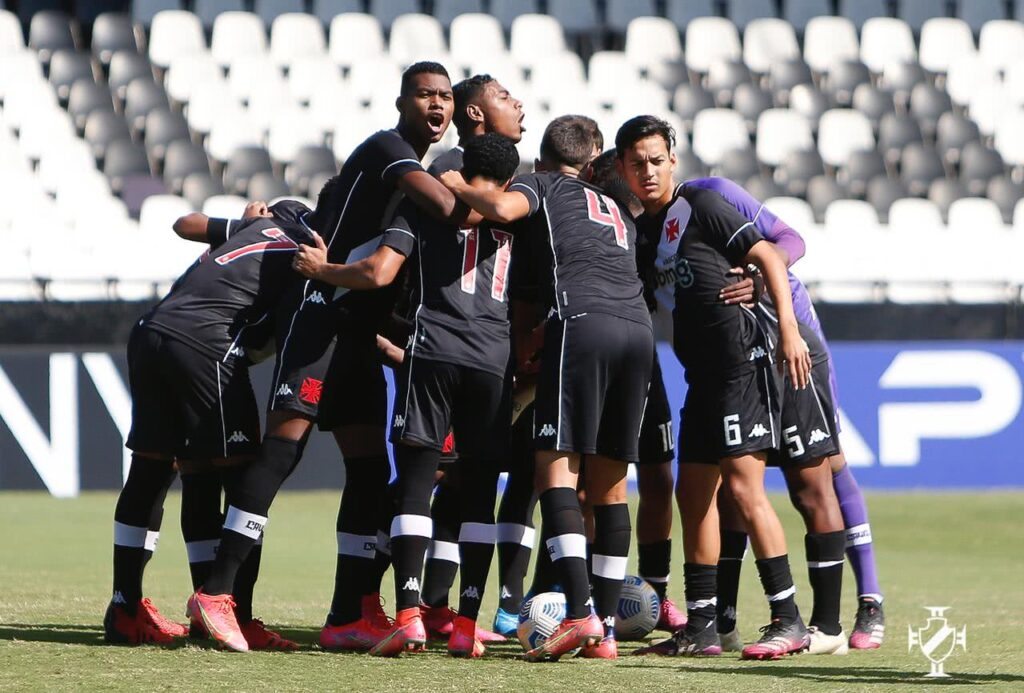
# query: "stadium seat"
[[969, 214], [186, 72], [608, 73], [1018, 217], [102, 128], [50, 31], [536, 38], [86, 97], [111, 32], [245, 162], [810, 103], [929, 103], [873, 102], [710, 40], [225, 206], [763, 187], [296, 35], [25, 95], [311, 74], [355, 37], [653, 44], [199, 187], [794, 211], [953, 132], [126, 67], [780, 132], [11, 39], [45, 132], [689, 100], [797, 170], [159, 212], [850, 218], [250, 74], [271, 103], [124, 158], [367, 76], [143, 96], [723, 78], [174, 33], [830, 40], [943, 192], [270, 10], [327, 10], [207, 101], [1009, 138], [979, 165], [767, 41], [977, 12], [800, 12], [560, 73], [717, 131], [783, 75], [474, 35], [620, 14], [988, 104], [944, 41], [208, 10], [266, 186], [144, 11], [309, 162], [416, 37], [750, 102], [896, 131], [737, 164], [884, 40], [860, 11], [1001, 43], [882, 192], [743, 12], [842, 132], [900, 78], [237, 35], [919, 165], [912, 213], [967, 75], [506, 11], [231, 131], [66, 68], [164, 126], [291, 130], [843, 78], [183, 159], [387, 11], [859, 170], [1013, 84], [577, 17]]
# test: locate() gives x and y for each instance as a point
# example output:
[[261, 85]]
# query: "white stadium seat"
[[416, 37], [885, 40], [850, 218], [966, 76], [295, 35], [208, 101], [352, 128], [17, 68], [829, 40], [608, 73], [333, 105], [159, 212], [188, 71], [473, 35], [1001, 43], [69, 161], [767, 41], [504, 69], [231, 131], [290, 130], [780, 132], [560, 73], [355, 36], [174, 33], [367, 75], [944, 41], [911, 213], [709, 40], [48, 131], [651, 41], [536, 38], [237, 34], [916, 265], [249, 74], [311, 74], [795, 212], [1013, 84], [969, 215], [266, 104], [1009, 139], [842, 131], [987, 106], [717, 131], [224, 206], [11, 40]]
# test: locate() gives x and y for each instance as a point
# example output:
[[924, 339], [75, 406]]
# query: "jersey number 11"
[[502, 259]]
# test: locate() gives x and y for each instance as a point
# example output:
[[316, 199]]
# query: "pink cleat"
[[570, 635], [408, 634], [217, 613], [670, 618]]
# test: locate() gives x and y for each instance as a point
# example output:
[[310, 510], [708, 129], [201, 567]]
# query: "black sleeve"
[[218, 231], [532, 185], [399, 235], [393, 155], [727, 230]]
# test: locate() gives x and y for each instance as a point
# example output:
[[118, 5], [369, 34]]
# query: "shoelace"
[[154, 614], [226, 605], [380, 615], [772, 630]]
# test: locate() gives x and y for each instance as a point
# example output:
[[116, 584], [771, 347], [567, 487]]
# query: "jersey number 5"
[[502, 259], [279, 241], [611, 218]]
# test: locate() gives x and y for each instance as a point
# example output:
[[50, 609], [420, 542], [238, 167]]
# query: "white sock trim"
[[129, 536], [412, 526], [610, 567], [478, 533], [858, 535], [702, 603], [512, 533], [784, 594], [443, 551], [152, 538], [357, 545], [567, 546], [658, 580], [823, 564], [247, 524], [202, 551]]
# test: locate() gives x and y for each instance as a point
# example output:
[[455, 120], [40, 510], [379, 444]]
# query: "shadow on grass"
[[853, 675], [67, 633]]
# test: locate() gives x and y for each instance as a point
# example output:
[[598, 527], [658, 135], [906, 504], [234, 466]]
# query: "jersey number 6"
[[611, 218]]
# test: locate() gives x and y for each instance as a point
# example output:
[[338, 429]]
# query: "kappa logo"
[[238, 437], [609, 621], [284, 391], [547, 430], [316, 297], [399, 421], [758, 431], [817, 435], [118, 598], [505, 594], [471, 592], [757, 353], [237, 351], [413, 584], [369, 546]]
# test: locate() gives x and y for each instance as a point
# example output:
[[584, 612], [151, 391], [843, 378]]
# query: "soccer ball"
[[639, 608], [538, 618]]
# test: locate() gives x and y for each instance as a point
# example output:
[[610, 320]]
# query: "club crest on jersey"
[[672, 230], [317, 298], [758, 431], [818, 435], [547, 430], [284, 391], [311, 390], [238, 437]]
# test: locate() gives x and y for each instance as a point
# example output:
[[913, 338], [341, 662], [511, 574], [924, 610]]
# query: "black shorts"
[[730, 416], [657, 444], [187, 404], [434, 397], [594, 376], [808, 429], [355, 390]]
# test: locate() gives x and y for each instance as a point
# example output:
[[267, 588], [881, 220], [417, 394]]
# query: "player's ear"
[[672, 160], [475, 113]]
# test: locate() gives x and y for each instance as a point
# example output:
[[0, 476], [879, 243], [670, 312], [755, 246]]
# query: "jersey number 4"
[[279, 242], [502, 259], [613, 217]]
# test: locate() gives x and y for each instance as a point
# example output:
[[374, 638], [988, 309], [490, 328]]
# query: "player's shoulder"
[[451, 160]]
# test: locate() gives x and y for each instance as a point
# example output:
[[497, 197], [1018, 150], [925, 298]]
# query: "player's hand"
[[741, 292], [256, 208], [390, 351], [309, 260], [453, 180], [794, 356]]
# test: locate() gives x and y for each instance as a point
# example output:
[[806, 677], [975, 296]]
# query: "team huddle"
[[516, 312]]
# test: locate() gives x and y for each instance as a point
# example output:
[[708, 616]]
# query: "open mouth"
[[521, 118], [436, 122]]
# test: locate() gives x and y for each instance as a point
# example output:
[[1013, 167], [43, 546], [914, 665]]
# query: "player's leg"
[[442, 560], [730, 562], [202, 517]]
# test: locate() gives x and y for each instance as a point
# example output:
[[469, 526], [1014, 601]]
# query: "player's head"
[[644, 146], [331, 198], [289, 211], [491, 157], [569, 142], [604, 173], [482, 105], [425, 104]]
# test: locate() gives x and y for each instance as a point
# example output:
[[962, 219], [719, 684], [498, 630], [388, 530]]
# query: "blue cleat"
[[505, 623]]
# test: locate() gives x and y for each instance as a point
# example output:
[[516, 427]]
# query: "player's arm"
[[502, 206], [193, 227], [373, 272], [435, 199], [200, 228]]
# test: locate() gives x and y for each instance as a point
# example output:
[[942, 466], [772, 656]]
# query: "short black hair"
[[327, 202], [420, 68], [605, 175], [569, 140], [491, 156], [464, 93], [642, 127]]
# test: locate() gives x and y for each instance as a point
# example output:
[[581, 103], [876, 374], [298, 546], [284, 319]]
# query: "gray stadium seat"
[[66, 68], [821, 192], [682, 11], [977, 12], [895, 132], [944, 192], [102, 128], [843, 78], [387, 10], [182, 160], [953, 132], [901, 78], [688, 165], [786, 74], [797, 170], [738, 164], [1006, 194], [928, 103], [266, 186], [124, 158], [505, 11], [326, 10], [742, 12], [577, 17], [198, 187], [799, 12], [859, 170], [619, 13], [112, 32], [125, 68], [142, 97], [447, 10], [309, 162], [916, 12], [724, 77], [207, 10], [50, 31], [978, 165], [763, 187], [164, 126], [882, 192], [143, 11], [269, 10], [919, 166], [859, 11], [690, 99], [806, 100], [750, 101], [244, 163], [88, 96], [873, 102]]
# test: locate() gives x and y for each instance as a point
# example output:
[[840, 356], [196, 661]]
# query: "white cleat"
[[731, 641], [823, 644]]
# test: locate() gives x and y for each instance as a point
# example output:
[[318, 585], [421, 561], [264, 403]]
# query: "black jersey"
[[369, 179], [233, 286], [583, 251], [451, 160], [699, 237], [459, 280]]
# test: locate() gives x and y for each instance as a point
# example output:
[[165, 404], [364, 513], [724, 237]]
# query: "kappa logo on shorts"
[[413, 584], [237, 351], [547, 430], [284, 391], [818, 435], [471, 592], [758, 431], [238, 437], [399, 421], [311, 390], [316, 297], [757, 353]]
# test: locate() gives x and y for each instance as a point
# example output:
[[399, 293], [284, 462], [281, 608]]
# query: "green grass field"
[[958, 550]]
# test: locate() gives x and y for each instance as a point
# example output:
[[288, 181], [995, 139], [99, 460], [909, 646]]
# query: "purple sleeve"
[[787, 238]]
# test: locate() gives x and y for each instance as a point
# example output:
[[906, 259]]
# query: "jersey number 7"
[[502, 258], [279, 242], [611, 218]]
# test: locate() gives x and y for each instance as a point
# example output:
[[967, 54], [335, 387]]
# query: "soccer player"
[[192, 402], [730, 420], [452, 378], [594, 376], [329, 370], [869, 627]]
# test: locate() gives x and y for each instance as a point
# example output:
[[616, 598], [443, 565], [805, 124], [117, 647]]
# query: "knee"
[[746, 495]]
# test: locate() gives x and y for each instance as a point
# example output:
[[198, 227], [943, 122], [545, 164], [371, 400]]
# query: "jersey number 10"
[[613, 217], [502, 260]]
